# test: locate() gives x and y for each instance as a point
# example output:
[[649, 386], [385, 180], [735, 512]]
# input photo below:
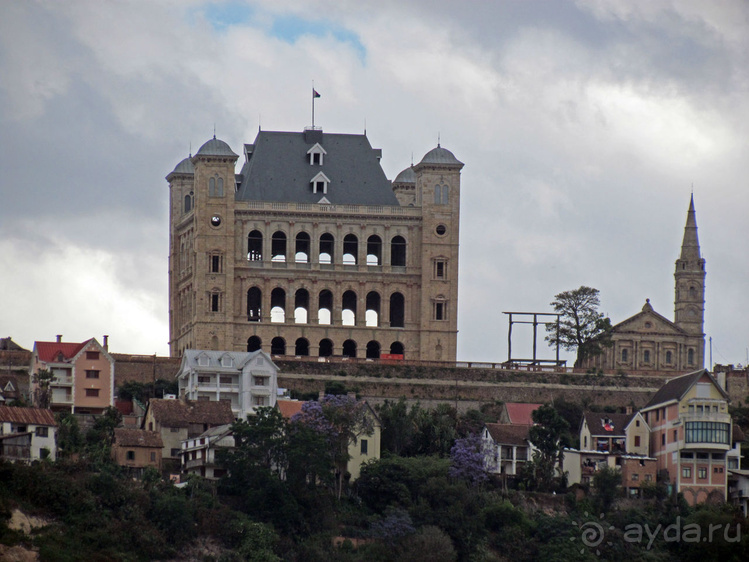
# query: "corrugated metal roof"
[[35, 416], [521, 413], [288, 408]]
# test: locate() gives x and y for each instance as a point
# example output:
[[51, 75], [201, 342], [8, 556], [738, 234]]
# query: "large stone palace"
[[311, 251], [649, 341]]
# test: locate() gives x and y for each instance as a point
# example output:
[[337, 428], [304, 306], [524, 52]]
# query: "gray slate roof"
[[677, 387], [241, 358], [216, 147], [406, 176], [184, 167], [440, 155], [278, 170]]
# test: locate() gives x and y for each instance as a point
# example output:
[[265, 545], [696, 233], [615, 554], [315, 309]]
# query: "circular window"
[[215, 220], [440, 230], [648, 324]]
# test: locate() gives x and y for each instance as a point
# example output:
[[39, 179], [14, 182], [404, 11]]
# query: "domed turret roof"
[[440, 155], [184, 167], [216, 147], [406, 176]]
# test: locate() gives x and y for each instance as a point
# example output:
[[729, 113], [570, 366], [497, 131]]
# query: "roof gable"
[[648, 320], [508, 434], [676, 388]]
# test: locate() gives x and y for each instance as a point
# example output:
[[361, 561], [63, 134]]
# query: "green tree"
[[398, 425], [42, 380], [549, 435], [581, 326], [606, 484]]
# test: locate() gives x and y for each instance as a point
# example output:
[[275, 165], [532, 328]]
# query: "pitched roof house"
[[137, 449], [178, 420], [27, 434], [518, 413], [507, 447], [83, 375]]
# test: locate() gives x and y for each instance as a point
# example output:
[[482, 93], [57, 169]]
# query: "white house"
[[506, 447], [246, 379], [27, 434], [199, 453]]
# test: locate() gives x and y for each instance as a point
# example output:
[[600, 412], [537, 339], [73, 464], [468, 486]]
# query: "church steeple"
[[689, 301]]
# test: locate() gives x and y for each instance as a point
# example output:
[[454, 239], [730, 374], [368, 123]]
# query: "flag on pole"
[[315, 94]]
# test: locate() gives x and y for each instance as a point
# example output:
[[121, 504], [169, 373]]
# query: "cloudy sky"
[[584, 127]]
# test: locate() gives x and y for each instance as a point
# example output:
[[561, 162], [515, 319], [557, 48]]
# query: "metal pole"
[[509, 341], [535, 329]]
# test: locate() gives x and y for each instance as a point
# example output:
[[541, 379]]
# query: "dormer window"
[[316, 154], [320, 183], [203, 361], [227, 361]]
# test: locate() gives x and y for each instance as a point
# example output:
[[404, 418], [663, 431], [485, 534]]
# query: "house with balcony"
[[507, 447], [246, 380], [178, 420], [83, 380], [27, 434], [199, 453], [691, 436], [137, 449]]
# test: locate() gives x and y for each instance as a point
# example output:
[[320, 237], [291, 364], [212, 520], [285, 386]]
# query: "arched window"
[[214, 343], [348, 309], [625, 355], [301, 347], [188, 203], [278, 346], [445, 194], [255, 246], [216, 186], [278, 247], [373, 350], [254, 343], [301, 254], [325, 307], [254, 304], [301, 307], [278, 305], [349, 348], [690, 356], [398, 251], [669, 357], [437, 195], [397, 310], [327, 244], [326, 348], [350, 249], [396, 348], [372, 314], [374, 250]]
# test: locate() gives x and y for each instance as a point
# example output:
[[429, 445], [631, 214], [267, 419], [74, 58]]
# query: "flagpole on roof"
[[314, 95]]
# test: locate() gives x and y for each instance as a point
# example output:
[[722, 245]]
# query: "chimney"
[[59, 338], [629, 410], [106, 342], [321, 395]]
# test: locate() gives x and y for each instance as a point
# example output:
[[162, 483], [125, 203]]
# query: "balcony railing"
[[711, 416]]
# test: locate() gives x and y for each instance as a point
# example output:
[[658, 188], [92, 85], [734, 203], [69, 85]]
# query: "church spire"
[[689, 301], [690, 245]]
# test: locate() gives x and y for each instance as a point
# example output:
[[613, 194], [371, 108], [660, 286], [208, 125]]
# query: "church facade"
[[649, 341], [311, 251]]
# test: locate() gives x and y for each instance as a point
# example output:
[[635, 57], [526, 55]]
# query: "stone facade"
[[310, 250], [649, 341]]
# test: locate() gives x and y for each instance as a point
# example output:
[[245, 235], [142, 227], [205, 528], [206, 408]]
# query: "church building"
[[311, 251], [649, 341]]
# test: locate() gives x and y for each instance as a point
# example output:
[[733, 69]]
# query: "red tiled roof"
[[289, 407], [137, 438], [48, 350], [36, 416], [520, 414], [179, 413], [508, 434]]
